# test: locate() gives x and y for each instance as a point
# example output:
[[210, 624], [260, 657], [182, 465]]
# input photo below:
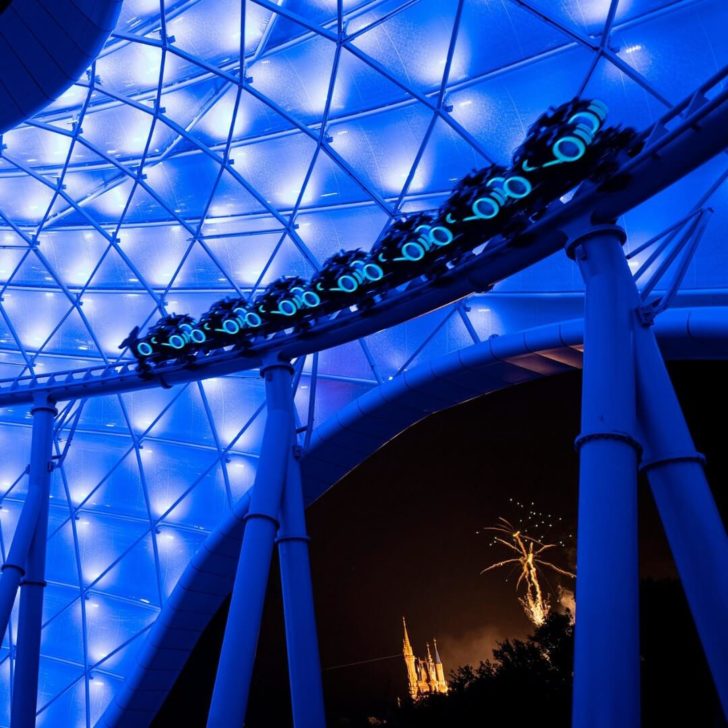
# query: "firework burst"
[[529, 556]]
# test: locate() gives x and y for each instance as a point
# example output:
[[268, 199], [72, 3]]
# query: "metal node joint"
[[647, 313], [261, 516], [286, 539], [625, 437], [575, 246], [42, 583], [44, 408], [694, 457], [10, 565], [273, 362], [42, 402]]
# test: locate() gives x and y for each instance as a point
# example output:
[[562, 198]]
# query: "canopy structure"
[[215, 145]]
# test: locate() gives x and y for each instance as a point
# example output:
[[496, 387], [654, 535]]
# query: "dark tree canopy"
[[528, 682]]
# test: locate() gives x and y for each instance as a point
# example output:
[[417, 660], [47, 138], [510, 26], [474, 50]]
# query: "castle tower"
[[424, 675], [409, 661], [439, 672], [431, 673]]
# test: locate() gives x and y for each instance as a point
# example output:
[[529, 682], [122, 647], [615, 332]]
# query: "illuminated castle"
[[424, 676]]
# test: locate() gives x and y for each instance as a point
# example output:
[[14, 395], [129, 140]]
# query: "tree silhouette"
[[528, 682]]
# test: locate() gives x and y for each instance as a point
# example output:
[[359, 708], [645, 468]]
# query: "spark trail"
[[528, 556]]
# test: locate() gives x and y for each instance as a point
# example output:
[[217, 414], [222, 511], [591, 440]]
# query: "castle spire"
[[406, 646], [431, 671], [410, 663], [439, 671], [438, 661]]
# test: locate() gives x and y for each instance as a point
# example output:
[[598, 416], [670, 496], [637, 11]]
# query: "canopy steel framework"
[[688, 135], [93, 188]]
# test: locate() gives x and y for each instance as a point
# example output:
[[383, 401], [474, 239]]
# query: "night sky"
[[398, 536]]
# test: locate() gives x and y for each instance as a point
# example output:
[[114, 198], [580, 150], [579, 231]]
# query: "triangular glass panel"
[[55, 676], [103, 540], [244, 252], [199, 270], [297, 79], [111, 623], [32, 270], [170, 470], [121, 491], [156, 250], [287, 158], [381, 150], [666, 60], [388, 44], [131, 66], [63, 635], [234, 409], [629, 103], [124, 660], [288, 260], [56, 598], [71, 336], [133, 577], [498, 111], [206, 503], [253, 117], [72, 702], [27, 197], [185, 419], [176, 547], [61, 566], [347, 360]]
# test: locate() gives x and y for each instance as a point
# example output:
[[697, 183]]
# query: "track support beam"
[[606, 659], [237, 658], [693, 526], [626, 388], [304, 667], [25, 688], [276, 510]]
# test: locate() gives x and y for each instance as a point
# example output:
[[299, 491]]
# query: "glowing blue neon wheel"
[[517, 187], [347, 283], [252, 319], [413, 251], [310, 299], [593, 122], [569, 149], [287, 308], [437, 235], [584, 134], [230, 326], [144, 349], [176, 341], [373, 272], [599, 108], [441, 236], [484, 208]]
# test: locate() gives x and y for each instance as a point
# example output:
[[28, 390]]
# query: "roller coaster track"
[[689, 135]]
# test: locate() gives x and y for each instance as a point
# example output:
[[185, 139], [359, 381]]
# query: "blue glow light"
[[145, 190], [407, 241]]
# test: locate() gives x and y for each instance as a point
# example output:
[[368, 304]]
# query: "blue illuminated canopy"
[[217, 145]]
